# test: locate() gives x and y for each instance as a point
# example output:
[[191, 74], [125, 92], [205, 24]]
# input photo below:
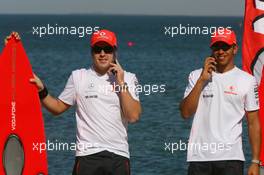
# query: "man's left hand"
[[119, 72], [15, 34], [253, 169]]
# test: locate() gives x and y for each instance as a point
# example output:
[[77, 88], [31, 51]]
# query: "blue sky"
[[134, 7]]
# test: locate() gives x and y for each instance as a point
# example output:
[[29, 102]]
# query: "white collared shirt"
[[100, 125], [216, 132]]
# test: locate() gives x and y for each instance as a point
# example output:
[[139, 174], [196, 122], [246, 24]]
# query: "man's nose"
[[102, 52], [221, 51]]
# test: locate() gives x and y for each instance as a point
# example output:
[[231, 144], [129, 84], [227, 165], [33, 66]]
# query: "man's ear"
[[235, 49]]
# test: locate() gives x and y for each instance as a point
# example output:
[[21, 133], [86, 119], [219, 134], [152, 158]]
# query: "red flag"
[[253, 50], [261, 112]]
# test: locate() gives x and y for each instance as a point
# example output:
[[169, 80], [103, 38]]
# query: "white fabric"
[[100, 125], [216, 132]]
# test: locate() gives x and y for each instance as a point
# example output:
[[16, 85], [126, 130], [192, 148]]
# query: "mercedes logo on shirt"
[[91, 85]]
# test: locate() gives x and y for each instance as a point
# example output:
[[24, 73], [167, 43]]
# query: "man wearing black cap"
[[218, 96], [106, 101]]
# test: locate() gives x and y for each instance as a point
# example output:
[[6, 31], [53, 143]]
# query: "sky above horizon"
[[133, 7]]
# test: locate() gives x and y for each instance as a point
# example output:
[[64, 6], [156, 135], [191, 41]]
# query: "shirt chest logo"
[[231, 90], [90, 92], [91, 86], [208, 93]]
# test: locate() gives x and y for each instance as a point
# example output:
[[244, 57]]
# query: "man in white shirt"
[[106, 101], [218, 96]]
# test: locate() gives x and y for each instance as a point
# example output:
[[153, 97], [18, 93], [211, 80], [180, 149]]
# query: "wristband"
[[255, 161], [43, 93], [123, 87]]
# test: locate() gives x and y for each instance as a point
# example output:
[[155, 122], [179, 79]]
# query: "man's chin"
[[103, 68]]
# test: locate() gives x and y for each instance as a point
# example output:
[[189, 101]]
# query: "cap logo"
[[102, 33]]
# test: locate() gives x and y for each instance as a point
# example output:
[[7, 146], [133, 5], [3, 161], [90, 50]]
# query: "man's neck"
[[100, 72], [223, 69]]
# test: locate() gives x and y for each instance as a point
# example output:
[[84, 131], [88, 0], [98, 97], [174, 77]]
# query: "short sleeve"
[[132, 85], [252, 98], [68, 95], [190, 85]]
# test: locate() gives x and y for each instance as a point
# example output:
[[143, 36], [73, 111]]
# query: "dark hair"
[[115, 53]]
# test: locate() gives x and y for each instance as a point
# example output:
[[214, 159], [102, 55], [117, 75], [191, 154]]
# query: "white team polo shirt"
[[216, 132], [100, 125]]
